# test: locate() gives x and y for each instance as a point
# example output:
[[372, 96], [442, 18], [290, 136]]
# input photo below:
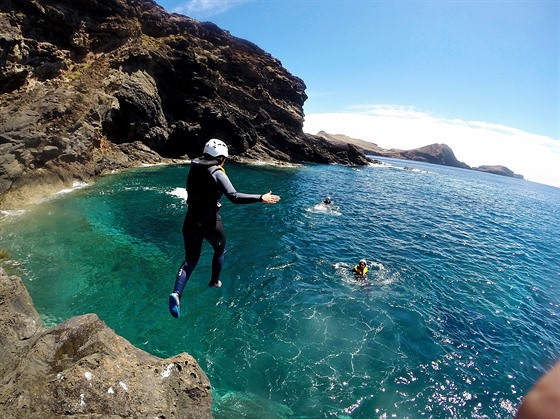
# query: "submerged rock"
[[82, 368]]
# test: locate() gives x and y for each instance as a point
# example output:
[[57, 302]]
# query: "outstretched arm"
[[268, 198], [239, 197]]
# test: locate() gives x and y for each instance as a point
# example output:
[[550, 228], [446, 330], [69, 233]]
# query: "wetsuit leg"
[[217, 238], [192, 237]]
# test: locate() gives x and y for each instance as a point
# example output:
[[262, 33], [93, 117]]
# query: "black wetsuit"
[[206, 184]]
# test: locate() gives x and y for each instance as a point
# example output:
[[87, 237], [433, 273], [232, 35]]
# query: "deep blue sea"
[[460, 316]]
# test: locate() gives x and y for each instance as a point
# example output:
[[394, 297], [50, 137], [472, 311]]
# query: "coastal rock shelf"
[[81, 367]]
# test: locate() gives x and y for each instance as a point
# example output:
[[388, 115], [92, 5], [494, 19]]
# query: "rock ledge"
[[82, 368]]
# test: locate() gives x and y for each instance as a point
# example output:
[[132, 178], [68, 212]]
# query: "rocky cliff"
[[91, 86], [434, 153], [81, 368]]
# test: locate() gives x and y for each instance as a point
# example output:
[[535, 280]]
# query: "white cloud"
[[476, 143], [203, 9]]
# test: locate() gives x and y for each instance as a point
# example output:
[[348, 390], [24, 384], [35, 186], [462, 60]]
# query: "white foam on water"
[[75, 186], [322, 208], [12, 213], [179, 193]]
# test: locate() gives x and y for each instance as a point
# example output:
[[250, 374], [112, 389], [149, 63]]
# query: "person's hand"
[[543, 400], [268, 198]]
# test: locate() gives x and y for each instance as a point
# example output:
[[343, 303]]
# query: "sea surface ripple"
[[459, 317]]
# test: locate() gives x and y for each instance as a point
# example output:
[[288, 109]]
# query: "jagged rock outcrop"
[[81, 368], [80, 81], [435, 153]]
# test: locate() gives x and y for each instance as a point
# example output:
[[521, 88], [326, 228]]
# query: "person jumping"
[[207, 182]]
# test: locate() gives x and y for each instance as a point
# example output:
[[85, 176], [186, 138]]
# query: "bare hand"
[[268, 198], [543, 400]]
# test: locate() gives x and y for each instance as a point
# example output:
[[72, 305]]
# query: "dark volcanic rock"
[[82, 368], [80, 78]]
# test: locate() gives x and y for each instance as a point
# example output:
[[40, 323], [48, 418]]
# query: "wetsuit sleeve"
[[229, 191]]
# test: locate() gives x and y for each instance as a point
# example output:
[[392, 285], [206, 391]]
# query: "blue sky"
[[409, 73]]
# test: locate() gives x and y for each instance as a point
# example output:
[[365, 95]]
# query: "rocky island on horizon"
[[440, 154]]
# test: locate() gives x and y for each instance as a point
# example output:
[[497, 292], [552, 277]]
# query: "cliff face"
[[433, 153], [91, 86], [82, 368]]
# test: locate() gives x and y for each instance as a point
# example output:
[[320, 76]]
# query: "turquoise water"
[[459, 318]]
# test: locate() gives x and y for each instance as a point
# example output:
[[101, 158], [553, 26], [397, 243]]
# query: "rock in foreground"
[[82, 368]]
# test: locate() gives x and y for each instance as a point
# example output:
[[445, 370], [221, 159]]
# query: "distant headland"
[[440, 154]]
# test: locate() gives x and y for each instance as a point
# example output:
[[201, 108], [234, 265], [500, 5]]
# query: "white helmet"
[[216, 148]]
